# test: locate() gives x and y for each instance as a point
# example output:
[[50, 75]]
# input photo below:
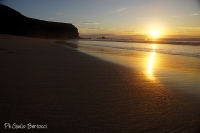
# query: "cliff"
[[14, 23]]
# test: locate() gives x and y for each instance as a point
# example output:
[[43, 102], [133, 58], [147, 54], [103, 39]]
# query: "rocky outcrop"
[[14, 23]]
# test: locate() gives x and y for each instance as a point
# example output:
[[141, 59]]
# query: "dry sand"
[[47, 84]]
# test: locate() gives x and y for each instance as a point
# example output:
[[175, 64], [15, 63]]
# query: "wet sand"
[[48, 84]]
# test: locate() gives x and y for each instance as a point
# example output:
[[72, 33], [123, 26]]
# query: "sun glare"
[[151, 63], [154, 33]]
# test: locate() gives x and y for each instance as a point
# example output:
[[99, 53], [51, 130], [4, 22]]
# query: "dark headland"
[[14, 23]]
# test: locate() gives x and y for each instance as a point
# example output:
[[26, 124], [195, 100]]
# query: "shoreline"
[[178, 42], [45, 83], [176, 71]]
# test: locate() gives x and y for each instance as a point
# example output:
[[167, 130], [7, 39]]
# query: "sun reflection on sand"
[[151, 61], [151, 64]]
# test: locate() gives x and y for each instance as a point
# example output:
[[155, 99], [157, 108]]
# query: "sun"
[[154, 34]]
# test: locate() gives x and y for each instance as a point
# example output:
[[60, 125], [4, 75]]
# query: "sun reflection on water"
[[151, 63]]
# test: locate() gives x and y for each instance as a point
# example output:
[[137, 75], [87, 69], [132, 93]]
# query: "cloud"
[[187, 27], [96, 29], [100, 28], [111, 29], [175, 16], [58, 14], [130, 31], [190, 28], [144, 18], [49, 18], [120, 10], [194, 14], [90, 23]]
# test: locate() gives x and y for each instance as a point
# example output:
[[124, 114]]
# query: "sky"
[[118, 17]]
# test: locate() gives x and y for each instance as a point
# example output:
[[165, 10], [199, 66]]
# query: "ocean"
[[180, 48]]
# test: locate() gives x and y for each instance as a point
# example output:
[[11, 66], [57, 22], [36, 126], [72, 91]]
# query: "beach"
[[66, 90]]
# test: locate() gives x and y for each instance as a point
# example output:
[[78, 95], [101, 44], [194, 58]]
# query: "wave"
[[183, 50], [175, 41]]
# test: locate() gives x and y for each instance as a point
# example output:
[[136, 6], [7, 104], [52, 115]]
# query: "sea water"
[[176, 65], [172, 49]]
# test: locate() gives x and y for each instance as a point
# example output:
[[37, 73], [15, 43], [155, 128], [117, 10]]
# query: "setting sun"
[[154, 33]]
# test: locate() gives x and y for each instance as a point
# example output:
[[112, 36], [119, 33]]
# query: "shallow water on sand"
[[179, 71]]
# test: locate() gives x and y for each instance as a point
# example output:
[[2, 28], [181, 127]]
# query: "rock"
[[103, 37]]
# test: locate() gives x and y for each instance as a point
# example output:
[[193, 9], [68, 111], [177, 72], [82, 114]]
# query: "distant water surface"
[[172, 49]]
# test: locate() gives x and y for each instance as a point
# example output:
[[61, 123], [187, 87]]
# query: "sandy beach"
[[44, 83]]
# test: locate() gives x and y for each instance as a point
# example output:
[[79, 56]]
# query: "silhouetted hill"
[[14, 23]]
